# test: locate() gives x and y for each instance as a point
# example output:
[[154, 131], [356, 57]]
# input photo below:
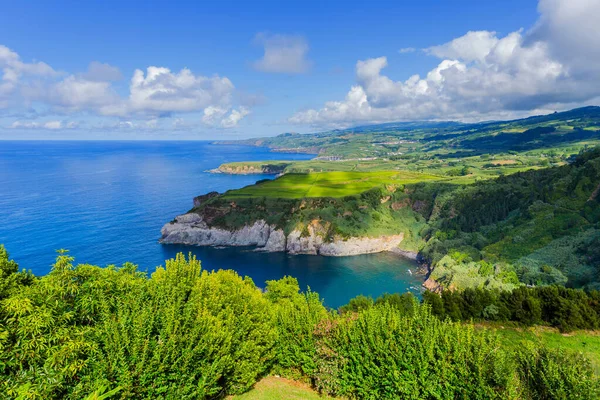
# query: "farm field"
[[328, 184]]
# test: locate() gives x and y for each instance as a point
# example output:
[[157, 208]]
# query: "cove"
[[106, 202]]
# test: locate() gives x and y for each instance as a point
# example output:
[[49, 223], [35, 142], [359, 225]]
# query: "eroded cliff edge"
[[193, 230], [362, 224]]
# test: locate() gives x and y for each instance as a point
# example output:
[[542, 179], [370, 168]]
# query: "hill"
[[559, 130], [492, 204]]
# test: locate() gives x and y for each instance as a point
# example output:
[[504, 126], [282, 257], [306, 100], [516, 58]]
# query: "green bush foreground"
[[185, 333]]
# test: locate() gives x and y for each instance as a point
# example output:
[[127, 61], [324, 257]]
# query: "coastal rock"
[[297, 243], [276, 241], [364, 245], [433, 286], [412, 255], [249, 169], [191, 229]]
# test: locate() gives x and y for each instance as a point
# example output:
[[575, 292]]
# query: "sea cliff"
[[252, 167], [191, 229]]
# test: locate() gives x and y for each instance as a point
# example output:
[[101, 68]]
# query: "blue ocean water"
[[106, 201]]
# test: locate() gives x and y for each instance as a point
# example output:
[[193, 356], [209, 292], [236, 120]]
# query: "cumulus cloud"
[[481, 74], [153, 93], [283, 54], [15, 70], [161, 90], [223, 118], [102, 72], [234, 117], [75, 93]]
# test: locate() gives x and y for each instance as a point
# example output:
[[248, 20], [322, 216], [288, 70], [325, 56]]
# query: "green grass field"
[[586, 342], [273, 388], [328, 184]]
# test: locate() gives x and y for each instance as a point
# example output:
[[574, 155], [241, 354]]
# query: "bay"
[[106, 201]]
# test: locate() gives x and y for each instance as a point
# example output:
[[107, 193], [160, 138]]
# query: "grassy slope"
[[273, 388], [327, 184], [588, 343]]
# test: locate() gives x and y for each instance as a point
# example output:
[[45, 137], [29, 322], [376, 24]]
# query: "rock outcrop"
[[251, 168], [191, 229]]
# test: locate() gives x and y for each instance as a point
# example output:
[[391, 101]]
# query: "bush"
[[380, 354], [184, 333]]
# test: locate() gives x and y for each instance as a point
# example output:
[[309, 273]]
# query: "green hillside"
[[327, 184], [492, 204]]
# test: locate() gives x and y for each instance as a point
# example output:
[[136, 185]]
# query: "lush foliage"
[[544, 225], [183, 333], [187, 333], [566, 309]]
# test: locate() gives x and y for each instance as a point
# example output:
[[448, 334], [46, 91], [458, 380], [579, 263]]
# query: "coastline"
[[191, 229]]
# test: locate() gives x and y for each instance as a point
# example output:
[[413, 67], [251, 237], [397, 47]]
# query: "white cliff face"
[[299, 244], [276, 241], [355, 246], [192, 230]]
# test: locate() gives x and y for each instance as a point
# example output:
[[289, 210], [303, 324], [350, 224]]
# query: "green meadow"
[[328, 184]]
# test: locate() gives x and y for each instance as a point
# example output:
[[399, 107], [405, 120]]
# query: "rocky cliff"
[[251, 168], [191, 229]]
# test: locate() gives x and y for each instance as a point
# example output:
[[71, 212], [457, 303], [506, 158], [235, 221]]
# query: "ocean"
[[106, 201]]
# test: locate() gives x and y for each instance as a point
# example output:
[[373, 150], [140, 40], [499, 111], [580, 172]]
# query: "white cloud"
[[160, 91], [405, 50], [155, 93], [14, 71], [474, 46], [482, 74], [12, 65], [234, 117], [77, 93], [51, 125], [102, 72], [222, 117], [283, 54]]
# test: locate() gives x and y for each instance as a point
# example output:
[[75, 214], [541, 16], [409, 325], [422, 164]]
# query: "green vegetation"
[[486, 149], [275, 388], [537, 227], [492, 204], [382, 210], [89, 332], [563, 308], [327, 184], [254, 167], [584, 342], [543, 225]]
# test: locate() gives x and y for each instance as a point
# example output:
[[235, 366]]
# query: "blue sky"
[[254, 68]]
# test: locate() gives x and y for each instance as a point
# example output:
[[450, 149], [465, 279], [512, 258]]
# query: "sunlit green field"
[[272, 388], [586, 342], [328, 184]]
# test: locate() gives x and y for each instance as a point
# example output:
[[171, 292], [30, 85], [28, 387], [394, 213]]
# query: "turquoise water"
[[106, 203]]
